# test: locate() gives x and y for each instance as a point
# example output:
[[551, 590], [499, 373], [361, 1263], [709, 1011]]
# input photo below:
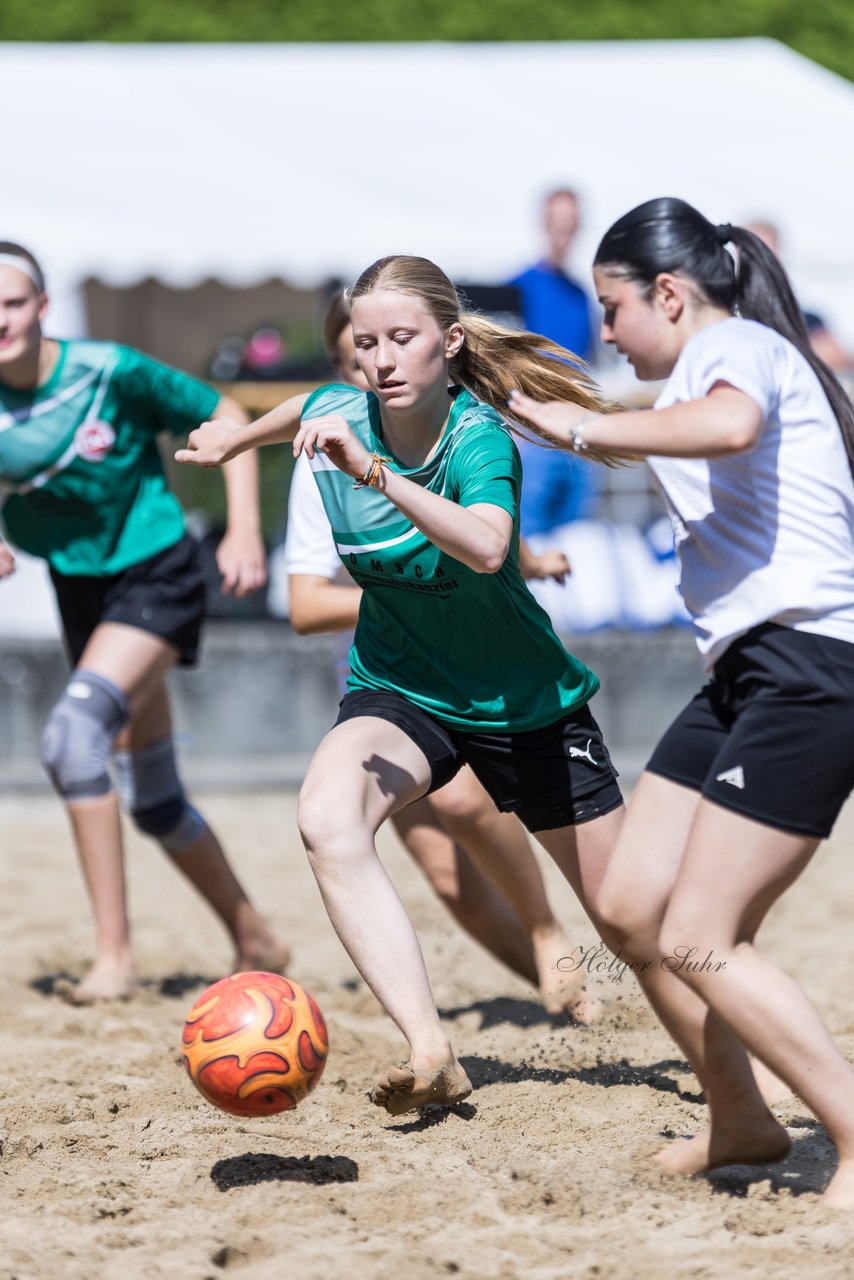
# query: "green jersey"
[[475, 650], [79, 465]]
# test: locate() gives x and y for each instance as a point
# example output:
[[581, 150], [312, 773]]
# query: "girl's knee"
[[329, 825], [621, 915]]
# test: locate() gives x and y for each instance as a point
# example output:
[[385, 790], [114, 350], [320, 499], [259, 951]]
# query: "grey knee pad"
[[79, 733], [150, 789]]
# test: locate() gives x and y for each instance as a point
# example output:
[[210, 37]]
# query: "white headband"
[[23, 264]]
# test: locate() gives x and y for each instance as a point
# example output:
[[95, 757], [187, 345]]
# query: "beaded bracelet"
[[576, 436], [372, 475]]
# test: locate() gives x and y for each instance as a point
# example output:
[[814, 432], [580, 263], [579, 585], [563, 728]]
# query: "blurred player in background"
[[86, 491]]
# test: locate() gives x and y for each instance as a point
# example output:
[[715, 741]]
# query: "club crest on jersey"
[[94, 440]]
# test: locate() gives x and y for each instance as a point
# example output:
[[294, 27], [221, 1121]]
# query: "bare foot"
[[404, 1088], [262, 955], [108, 979], [764, 1142], [839, 1193], [561, 991], [770, 1086]]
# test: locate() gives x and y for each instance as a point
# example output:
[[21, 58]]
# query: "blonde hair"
[[493, 361]]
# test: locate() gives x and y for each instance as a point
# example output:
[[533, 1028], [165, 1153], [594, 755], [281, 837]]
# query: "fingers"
[[243, 565], [230, 579], [524, 406], [252, 578]]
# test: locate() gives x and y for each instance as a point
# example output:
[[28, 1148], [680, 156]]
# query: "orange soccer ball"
[[255, 1044]]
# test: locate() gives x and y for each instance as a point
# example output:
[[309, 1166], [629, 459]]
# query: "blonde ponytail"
[[492, 361]]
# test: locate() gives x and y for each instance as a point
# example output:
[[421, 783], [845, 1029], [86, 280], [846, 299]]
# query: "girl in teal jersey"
[[453, 661], [752, 443], [478, 861], [86, 491]]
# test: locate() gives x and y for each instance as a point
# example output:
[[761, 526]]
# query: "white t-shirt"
[[768, 535], [310, 549], [309, 545]]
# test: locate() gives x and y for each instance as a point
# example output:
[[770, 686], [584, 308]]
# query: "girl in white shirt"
[[752, 443]]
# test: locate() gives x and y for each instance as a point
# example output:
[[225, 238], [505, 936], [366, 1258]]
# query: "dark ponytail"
[[669, 235]]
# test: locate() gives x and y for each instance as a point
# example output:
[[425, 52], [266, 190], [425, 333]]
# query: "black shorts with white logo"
[[164, 595], [772, 734], [556, 776]]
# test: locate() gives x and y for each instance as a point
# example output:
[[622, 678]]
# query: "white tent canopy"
[[242, 162]]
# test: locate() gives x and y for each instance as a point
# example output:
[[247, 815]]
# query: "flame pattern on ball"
[[255, 1044]]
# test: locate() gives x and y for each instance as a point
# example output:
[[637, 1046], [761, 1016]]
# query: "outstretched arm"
[[726, 421], [217, 442]]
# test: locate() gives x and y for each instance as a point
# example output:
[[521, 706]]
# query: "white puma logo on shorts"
[[585, 755]]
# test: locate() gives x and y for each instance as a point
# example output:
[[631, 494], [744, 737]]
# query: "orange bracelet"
[[372, 475]]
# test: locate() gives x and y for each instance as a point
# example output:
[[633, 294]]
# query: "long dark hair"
[[669, 235]]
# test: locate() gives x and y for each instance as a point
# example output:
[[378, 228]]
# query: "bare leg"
[[473, 902], [96, 826], [631, 901], [498, 845], [363, 771], [134, 661], [734, 869], [582, 852], [137, 662], [203, 862]]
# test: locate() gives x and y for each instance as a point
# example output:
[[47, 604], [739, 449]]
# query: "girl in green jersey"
[[478, 861], [86, 491], [453, 661]]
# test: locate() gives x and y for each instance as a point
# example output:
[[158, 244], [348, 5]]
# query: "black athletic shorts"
[[772, 735], [164, 595], [551, 777]]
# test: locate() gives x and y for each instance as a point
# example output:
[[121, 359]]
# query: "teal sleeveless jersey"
[[475, 650], [79, 466]]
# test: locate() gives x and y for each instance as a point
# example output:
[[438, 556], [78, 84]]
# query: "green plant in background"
[[823, 30]]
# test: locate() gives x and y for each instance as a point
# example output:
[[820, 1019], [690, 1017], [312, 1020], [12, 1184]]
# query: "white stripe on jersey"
[[40, 480], [13, 416], [344, 549]]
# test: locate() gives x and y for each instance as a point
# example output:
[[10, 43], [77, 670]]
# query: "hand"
[[242, 561], [548, 564], [332, 436], [557, 419], [7, 561], [210, 445]]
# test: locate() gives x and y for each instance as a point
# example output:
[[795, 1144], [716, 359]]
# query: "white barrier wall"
[[251, 714]]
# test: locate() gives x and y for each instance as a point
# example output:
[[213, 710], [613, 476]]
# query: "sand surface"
[[111, 1165]]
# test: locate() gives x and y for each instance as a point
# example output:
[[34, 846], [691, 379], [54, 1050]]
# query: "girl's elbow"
[[300, 624], [494, 558]]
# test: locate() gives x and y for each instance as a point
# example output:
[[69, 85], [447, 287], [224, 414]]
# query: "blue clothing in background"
[[557, 487], [555, 306]]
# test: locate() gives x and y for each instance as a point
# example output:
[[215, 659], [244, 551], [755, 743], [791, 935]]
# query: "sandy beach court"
[[112, 1166]]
